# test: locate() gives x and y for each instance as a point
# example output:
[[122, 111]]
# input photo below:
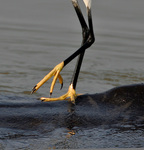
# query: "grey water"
[[37, 35]]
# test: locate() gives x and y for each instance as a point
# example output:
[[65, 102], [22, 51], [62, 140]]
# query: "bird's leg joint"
[[85, 33], [91, 39]]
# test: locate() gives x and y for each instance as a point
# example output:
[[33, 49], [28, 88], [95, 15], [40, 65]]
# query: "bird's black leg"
[[85, 33], [88, 40]]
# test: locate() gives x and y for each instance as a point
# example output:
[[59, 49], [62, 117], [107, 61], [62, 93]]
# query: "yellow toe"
[[56, 73], [70, 96]]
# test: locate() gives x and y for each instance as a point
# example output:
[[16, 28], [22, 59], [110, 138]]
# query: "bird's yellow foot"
[[70, 96], [56, 73]]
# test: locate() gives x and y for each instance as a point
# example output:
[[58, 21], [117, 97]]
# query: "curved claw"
[[60, 80], [56, 73], [70, 96]]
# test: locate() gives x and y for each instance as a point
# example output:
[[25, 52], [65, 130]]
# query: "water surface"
[[37, 35]]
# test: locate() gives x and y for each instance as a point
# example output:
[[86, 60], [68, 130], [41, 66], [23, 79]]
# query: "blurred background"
[[37, 35]]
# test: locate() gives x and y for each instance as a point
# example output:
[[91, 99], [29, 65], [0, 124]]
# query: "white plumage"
[[87, 3]]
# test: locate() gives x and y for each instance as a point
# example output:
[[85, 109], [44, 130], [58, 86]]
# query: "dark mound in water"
[[119, 105]]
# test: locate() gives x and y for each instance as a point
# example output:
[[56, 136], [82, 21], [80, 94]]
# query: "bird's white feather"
[[87, 3], [75, 1]]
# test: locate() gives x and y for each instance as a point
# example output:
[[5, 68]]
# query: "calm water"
[[34, 37]]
